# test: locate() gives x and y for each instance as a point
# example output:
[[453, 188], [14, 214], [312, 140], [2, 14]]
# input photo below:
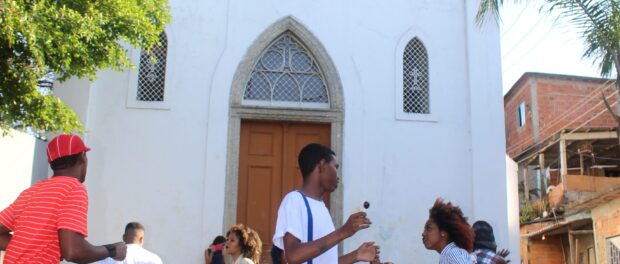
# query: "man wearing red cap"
[[48, 220]]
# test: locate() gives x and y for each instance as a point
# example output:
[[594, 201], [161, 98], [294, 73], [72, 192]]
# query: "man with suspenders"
[[304, 227]]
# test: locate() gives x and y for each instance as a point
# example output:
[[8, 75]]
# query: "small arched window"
[[286, 74], [416, 95], [152, 72]]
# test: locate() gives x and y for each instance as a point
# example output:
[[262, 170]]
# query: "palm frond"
[[599, 24], [488, 8], [584, 14]]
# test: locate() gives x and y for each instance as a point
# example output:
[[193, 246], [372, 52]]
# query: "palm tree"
[[598, 21]]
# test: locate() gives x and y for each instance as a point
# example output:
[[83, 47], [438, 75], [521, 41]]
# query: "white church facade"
[[407, 93]]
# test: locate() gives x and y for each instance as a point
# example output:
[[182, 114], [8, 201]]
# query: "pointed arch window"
[[416, 95], [287, 75], [152, 72]]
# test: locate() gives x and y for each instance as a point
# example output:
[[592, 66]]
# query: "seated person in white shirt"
[[319, 166], [136, 254]]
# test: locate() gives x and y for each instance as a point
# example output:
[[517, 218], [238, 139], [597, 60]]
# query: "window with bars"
[[286, 72], [415, 78], [613, 252], [152, 72]]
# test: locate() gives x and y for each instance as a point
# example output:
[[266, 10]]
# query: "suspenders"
[[310, 224]]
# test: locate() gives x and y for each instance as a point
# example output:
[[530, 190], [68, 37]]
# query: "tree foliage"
[[69, 38]]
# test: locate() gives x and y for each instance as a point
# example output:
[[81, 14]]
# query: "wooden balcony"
[[581, 183], [579, 186]]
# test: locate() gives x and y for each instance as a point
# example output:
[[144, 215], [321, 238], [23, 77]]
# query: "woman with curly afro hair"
[[447, 232], [243, 244]]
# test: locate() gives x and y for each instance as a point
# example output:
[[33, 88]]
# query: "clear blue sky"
[[535, 42]]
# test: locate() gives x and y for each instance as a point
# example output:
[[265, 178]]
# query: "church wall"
[[166, 167]]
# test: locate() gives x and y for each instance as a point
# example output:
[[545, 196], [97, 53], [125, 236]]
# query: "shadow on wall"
[[40, 167]]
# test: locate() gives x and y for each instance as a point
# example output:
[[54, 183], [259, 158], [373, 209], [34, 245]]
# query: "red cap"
[[65, 145]]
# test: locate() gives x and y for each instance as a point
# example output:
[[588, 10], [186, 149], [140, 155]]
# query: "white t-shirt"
[[243, 260], [293, 219], [136, 254]]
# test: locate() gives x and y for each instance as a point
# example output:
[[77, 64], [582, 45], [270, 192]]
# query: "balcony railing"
[[580, 183]]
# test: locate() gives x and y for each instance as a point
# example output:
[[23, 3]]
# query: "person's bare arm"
[[5, 237], [367, 252], [298, 252], [75, 248]]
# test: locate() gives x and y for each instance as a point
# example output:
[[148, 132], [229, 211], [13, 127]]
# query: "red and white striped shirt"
[[38, 213]]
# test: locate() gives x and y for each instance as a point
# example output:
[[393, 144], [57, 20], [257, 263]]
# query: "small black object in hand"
[[366, 205]]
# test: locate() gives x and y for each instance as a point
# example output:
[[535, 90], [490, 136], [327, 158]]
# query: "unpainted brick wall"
[[561, 103]]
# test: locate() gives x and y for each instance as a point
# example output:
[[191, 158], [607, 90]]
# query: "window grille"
[[152, 72], [286, 72], [613, 253], [415, 78]]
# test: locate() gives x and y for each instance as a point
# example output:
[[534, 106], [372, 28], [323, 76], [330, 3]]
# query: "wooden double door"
[[268, 170]]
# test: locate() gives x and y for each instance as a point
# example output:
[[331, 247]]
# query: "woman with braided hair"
[[447, 232], [243, 244]]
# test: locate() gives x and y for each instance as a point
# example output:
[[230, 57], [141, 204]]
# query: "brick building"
[[565, 143], [539, 105]]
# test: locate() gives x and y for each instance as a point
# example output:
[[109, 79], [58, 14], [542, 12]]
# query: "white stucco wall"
[[22, 163], [166, 168], [75, 93], [512, 190], [16, 156]]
